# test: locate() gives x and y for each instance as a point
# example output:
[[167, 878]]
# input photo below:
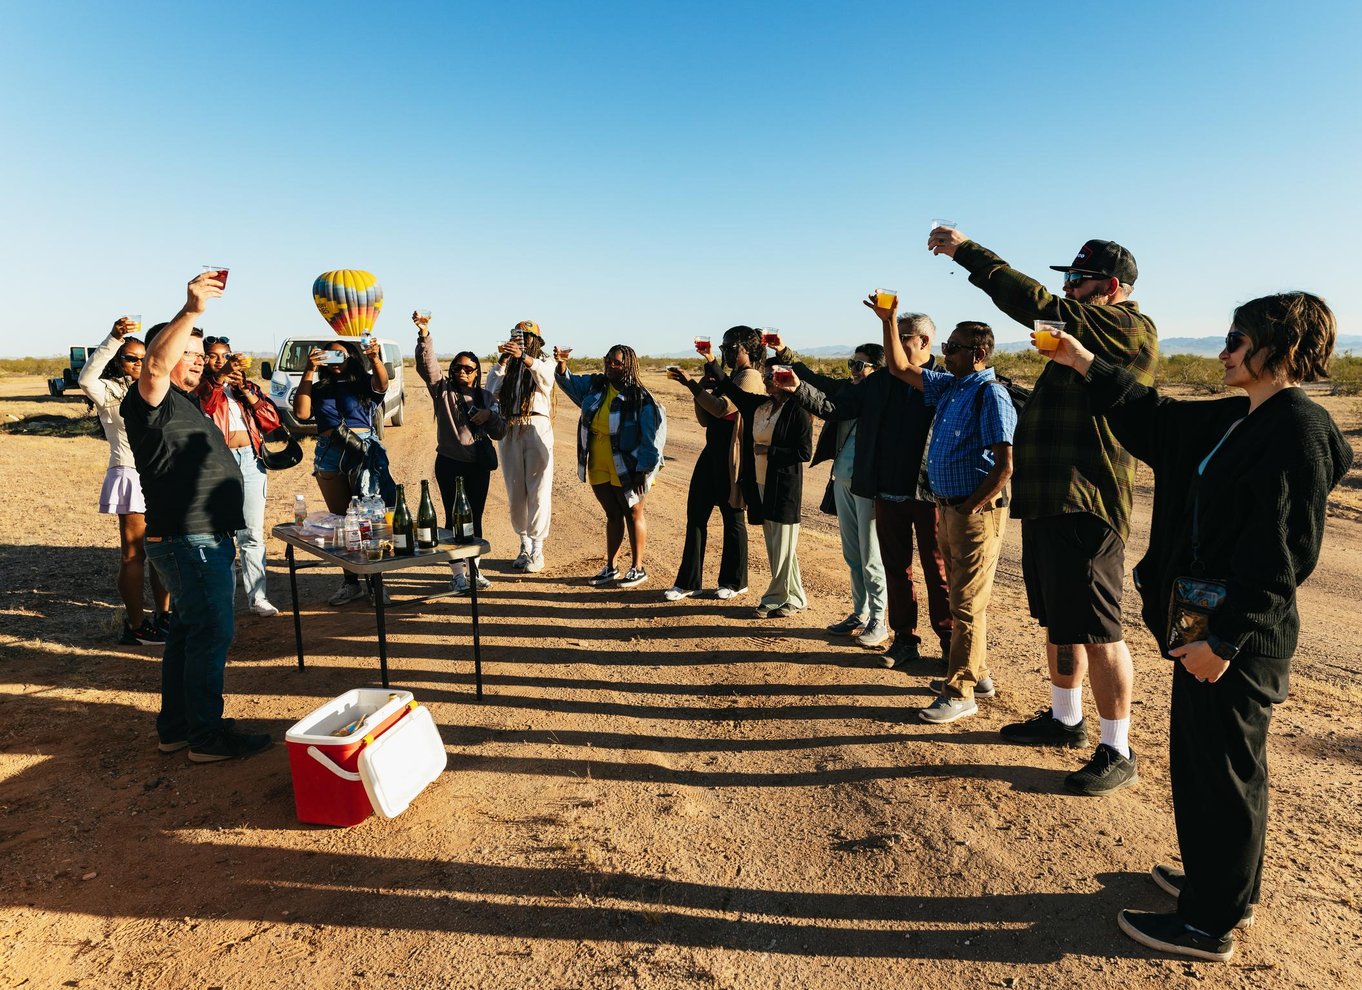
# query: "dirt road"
[[652, 794]]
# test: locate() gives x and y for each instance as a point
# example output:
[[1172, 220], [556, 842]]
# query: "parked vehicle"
[[69, 374], [286, 372]]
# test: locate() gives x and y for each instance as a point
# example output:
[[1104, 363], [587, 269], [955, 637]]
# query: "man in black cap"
[[1072, 490]]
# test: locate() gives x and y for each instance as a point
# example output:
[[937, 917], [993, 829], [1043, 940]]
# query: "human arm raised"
[[169, 346], [95, 387]]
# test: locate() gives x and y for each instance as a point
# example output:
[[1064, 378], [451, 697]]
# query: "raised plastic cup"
[[1044, 334], [703, 345], [782, 374], [136, 320], [949, 224], [218, 272], [886, 298], [770, 336]]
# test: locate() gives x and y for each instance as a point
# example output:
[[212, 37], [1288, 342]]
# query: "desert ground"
[[651, 794]]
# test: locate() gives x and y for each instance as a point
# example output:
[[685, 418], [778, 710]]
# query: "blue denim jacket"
[[638, 430]]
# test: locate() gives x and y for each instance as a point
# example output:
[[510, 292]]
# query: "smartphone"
[[673, 367], [518, 336], [334, 357]]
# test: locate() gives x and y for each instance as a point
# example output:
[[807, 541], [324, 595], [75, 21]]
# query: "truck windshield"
[[293, 358]]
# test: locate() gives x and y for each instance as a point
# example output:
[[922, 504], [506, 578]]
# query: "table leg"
[[297, 619], [477, 643], [377, 584]]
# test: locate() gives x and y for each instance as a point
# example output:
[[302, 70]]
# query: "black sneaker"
[[1169, 933], [1170, 880], [1043, 729], [231, 745], [161, 620], [144, 635], [1107, 772], [901, 653]]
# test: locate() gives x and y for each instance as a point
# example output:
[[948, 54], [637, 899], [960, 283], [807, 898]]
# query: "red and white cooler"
[[390, 753]]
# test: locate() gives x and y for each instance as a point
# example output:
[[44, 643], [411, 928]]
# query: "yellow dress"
[[600, 459]]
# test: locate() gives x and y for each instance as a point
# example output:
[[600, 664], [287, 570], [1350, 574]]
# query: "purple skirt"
[[122, 492]]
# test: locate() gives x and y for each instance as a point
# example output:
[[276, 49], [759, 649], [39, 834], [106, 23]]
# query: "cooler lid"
[[399, 764]]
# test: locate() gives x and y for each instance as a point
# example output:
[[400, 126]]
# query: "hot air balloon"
[[349, 300]]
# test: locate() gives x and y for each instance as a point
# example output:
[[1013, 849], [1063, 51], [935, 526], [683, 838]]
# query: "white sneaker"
[[724, 594], [459, 584], [347, 593], [483, 583], [522, 561], [633, 577], [264, 609], [675, 594], [536, 562], [875, 633]]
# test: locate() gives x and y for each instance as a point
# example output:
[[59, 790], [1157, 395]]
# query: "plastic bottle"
[[353, 536], [299, 510]]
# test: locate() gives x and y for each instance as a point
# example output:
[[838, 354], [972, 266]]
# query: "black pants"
[[475, 482], [709, 491], [1218, 767]]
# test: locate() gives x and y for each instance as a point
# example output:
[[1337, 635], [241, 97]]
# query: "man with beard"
[[1072, 489]]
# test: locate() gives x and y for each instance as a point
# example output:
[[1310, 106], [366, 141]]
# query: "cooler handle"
[[331, 765]]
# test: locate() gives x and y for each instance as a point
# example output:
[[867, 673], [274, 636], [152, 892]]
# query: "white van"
[[285, 373]]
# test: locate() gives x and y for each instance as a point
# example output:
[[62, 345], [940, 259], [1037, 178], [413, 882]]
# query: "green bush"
[[1345, 374], [43, 367]]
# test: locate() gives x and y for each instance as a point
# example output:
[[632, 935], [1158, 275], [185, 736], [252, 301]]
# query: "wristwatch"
[[1225, 651]]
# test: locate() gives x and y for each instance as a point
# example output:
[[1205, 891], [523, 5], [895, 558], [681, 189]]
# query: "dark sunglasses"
[[948, 348], [466, 369], [133, 360], [209, 341], [1073, 278], [1232, 340], [856, 365]]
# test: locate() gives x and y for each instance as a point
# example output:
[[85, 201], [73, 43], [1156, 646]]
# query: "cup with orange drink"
[[1043, 335], [886, 298], [134, 323]]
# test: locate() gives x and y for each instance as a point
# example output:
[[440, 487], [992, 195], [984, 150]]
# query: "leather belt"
[[998, 502]]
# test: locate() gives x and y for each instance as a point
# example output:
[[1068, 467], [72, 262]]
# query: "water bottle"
[[299, 510], [352, 530]]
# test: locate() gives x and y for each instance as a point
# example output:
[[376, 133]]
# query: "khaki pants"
[[969, 545]]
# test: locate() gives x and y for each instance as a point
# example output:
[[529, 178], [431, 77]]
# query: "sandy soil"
[[651, 795]]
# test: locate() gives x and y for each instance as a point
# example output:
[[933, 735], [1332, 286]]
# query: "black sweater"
[[1261, 501], [791, 445]]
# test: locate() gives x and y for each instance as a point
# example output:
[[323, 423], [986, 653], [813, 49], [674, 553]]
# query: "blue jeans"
[[861, 550], [197, 571], [251, 540]]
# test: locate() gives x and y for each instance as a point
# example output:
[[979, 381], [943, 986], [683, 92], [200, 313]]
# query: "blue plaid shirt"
[[965, 427]]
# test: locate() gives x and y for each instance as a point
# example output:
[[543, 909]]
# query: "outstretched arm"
[[169, 346]]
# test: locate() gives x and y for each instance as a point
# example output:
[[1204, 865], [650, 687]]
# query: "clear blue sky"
[[640, 172]]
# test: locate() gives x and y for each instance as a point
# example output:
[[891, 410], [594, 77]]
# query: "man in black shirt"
[[194, 504]]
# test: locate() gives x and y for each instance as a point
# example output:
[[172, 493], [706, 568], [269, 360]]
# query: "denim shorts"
[[327, 456]]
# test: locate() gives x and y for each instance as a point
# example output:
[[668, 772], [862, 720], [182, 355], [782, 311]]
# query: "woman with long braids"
[[109, 372], [522, 381], [466, 421], [620, 437]]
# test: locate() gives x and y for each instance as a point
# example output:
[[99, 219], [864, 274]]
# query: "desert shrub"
[[1345, 374], [1203, 374], [43, 367]]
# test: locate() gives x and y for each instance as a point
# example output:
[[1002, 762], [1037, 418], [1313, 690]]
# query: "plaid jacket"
[[1066, 458]]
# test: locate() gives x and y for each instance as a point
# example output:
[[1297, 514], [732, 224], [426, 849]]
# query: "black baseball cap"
[[1103, 259]]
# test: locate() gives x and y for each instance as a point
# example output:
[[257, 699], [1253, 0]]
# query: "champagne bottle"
[[463, 515], [404, 527], [425, 520]]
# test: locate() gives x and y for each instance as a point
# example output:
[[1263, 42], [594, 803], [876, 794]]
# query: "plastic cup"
[[770, 336], [136, 320], [218, 272], [702, 344], [388, 517], [782, 374], [423, 313], [949, 224], [886, 298], [373, 550], [1044, 335]]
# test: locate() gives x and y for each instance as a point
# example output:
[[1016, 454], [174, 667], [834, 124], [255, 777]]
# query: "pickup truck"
[[69, 374], [284, 374]]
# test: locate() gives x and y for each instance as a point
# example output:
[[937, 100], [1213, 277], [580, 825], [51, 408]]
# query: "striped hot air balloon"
[[349, 300]]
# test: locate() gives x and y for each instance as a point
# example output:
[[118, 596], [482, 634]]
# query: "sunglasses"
[[465, 369], [948, 348], [209, 341], [1073, 278], [1233, 339], [133, 360], [856, 365]]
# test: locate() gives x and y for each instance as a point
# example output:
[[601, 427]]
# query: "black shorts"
[[1073, 566]]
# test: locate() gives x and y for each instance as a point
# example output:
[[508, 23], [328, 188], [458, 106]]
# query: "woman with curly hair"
[[109, 373], [522, 381], [620, 437], [1240, 490]]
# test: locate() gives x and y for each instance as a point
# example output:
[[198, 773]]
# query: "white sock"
[[456, 568], [1067, 704], [536, 548], [1116, 734], [526, 544]]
